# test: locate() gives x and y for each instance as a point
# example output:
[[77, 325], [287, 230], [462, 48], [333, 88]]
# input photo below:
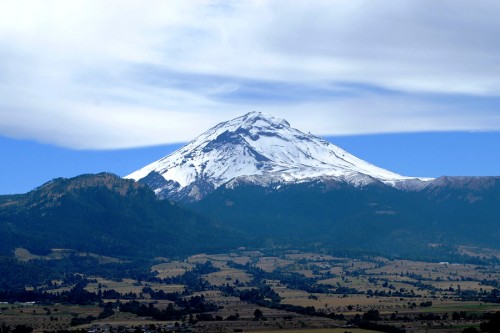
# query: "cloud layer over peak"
[[118, 74]]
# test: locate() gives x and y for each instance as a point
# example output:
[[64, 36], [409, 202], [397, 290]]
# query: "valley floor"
[[267, 291]]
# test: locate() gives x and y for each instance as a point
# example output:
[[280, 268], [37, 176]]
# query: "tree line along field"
[[253, 291]]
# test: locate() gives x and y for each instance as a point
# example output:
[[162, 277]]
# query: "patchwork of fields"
[[278, 290]]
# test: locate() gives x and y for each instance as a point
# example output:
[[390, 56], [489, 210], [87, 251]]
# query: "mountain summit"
[[258, 148]]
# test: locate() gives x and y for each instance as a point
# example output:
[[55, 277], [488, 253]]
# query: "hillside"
[[449, 212], [107, 215]]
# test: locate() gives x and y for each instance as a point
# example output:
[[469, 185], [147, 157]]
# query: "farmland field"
[[267, 291]]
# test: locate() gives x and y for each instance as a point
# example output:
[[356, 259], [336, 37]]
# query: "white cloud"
[[117, 74]]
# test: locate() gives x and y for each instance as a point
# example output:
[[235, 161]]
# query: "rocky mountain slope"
[[262, 149]]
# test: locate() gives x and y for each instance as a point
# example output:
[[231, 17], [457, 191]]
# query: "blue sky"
[[89, 85]]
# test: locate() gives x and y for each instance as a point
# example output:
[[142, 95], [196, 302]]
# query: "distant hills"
[[107, 215], [450, 211]]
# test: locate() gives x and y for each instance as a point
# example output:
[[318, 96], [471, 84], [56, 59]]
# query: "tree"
[[371, 315], [258, 314]]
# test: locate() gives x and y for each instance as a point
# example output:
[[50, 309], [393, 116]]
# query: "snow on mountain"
[[258, 148]]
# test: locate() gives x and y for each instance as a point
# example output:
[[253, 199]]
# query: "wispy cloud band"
[[118, 74]]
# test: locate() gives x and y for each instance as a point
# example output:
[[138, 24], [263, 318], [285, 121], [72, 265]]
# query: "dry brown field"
[[57, 318], [171, 269], [420, 281]]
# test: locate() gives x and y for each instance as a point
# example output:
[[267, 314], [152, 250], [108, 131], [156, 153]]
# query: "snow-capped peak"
[[260, 147]]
